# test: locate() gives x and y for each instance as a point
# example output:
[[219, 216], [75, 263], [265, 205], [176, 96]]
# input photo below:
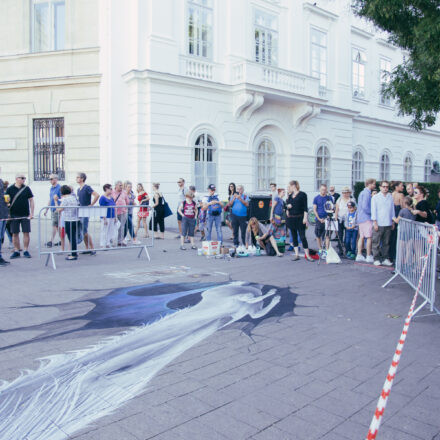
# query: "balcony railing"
[[276, 78], [198, 68]]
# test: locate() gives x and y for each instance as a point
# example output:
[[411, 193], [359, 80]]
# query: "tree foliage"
[[414, 26]]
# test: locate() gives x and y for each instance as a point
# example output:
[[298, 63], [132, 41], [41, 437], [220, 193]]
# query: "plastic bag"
[[332, 256]]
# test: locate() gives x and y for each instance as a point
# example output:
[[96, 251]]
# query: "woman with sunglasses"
[[421, 210]]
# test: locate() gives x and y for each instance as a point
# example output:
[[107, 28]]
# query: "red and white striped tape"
[[383, 399]]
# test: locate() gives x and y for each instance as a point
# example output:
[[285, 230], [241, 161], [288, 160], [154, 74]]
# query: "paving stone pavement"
[[315, 373]]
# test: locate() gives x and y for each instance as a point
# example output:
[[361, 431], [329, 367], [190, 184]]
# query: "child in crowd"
[[108, 223], [405, 212], [188, 210], [351, 230]]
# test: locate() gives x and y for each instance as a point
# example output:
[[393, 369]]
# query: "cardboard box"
[[211, 247]]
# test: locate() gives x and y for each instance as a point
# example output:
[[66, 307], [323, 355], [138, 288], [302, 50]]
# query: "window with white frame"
[[322, 166], [318, 55], [359, 61], [266, 38], [357, 167], [265, 164], [200, 28], [384, 167], [48, 25], [407, 168], [205, 164], [427, 169], [385, 70]]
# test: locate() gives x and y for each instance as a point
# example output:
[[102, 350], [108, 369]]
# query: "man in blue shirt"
[[238, 204], [364, 221], [54, 198], [320, 213], [214, 210]]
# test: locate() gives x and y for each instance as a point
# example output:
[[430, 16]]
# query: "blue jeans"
[[350, 240], [2, 234], [217, 219]]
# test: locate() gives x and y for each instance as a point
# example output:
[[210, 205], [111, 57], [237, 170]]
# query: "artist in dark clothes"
[[296, 205]]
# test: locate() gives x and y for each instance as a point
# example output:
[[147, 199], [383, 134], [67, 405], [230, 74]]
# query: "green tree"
[[414, 26]]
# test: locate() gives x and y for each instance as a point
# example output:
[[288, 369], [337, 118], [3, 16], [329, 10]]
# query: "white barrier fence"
[[413, 247], [94, 229]]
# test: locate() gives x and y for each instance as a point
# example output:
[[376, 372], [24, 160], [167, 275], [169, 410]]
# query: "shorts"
[[331, 225], [25, 225], [188, 226], [179, 217], [55, 219], [84, 224], [319, 229], [366, 229]]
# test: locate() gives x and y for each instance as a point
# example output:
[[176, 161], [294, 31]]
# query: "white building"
[[250, 91]]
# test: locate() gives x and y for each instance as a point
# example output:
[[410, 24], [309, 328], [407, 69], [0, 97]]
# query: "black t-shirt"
[[422, 206], [299, 204], [20, 208]]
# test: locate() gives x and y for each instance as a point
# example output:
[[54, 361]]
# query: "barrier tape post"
[[383, 399]]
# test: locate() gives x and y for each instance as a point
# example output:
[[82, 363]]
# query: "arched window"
[[322, 166], [384, 167], [205, 165], [357, 168], [407, 169], [265, 164], [427, 169]]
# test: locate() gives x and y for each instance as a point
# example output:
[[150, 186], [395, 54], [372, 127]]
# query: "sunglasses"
[[385, 186], [21, 177]]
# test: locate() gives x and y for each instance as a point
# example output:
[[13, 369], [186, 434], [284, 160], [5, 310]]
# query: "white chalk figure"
[[70, 391]]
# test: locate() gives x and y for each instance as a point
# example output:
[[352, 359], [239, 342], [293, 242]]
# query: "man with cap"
[[214, 213], [54, 198], [3, 215], [21, 208]]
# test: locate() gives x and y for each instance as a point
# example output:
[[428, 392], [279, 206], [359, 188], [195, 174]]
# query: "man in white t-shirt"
[[180, 199]]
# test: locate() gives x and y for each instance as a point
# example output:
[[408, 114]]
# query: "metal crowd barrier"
[[57, 235], [415, 241]]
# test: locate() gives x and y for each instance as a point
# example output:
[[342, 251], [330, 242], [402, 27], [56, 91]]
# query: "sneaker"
[[352, 256], [3, 262], [183, 248], [295, 258], [26, 254], [92, 252], [290, 248], [360, 258], [376, 263], [387, 263], [177, 236], [49, 244], [86, 252], [193, 247], [10, 246], [14, 255], [135, 241], [369, 259], [71, 258], [187, 240]]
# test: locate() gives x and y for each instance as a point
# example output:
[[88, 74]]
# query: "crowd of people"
[[369, 223]]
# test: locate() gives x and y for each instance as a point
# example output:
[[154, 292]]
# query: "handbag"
[[166, 209]]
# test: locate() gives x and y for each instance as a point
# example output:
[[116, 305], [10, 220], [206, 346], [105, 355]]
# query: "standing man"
[[364, 221], [180, 199], [214, 208], [54, 198], [334, 194], [4, 214], [22, 209], [320, 213], [382, 213], [239, 203], [85, 194], [121, 199], [273, 191]]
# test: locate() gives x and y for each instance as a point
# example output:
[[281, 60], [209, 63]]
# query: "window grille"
[[265, 164], [322, 167], [48, 138], [384, 167], [48, 25], [205, 166], [318, 56], [407, 169], [266, 38], [357, 168], [359, 61], [200, 28], [427, 169]]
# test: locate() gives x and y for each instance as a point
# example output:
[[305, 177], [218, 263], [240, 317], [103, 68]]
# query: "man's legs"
[[26, 240], [386, 238], [209, 221], [243, 226], [235, 221], [122, 219], [376, 243], [218, 228]]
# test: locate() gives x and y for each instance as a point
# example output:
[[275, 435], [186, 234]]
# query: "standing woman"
[[129, 227], [341, 211], [398, 197], [232, 190], [297, 208], [144, 200], [69, 207], [422, 207], [159, 212]]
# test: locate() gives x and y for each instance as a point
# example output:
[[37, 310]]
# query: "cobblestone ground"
[[314, 373]]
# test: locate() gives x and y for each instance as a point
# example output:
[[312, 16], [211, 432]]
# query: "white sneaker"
[[376, 263], [369, 259], [360, 258], [387, 262], [135, 241]]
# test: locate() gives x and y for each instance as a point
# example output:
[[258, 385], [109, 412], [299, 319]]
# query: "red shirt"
[[189, 209]]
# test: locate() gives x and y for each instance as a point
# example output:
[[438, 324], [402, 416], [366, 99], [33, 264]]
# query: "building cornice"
[[319, 11], [361, 32], [55, 81], [386, 43], [49, 53]]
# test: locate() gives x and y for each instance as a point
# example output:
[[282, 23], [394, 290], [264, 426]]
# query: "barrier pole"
[[383, 399]]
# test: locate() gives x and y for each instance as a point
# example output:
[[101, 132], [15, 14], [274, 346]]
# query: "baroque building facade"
[[250, 91]]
